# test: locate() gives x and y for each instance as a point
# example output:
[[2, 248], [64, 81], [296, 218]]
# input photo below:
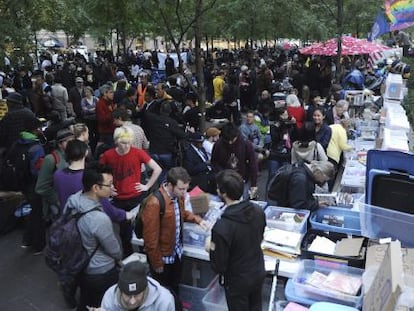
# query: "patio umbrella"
[[350, 46]]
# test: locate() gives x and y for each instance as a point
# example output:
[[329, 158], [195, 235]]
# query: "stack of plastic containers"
[[396, 122], [197, 280], [322, 281], [216, 297]]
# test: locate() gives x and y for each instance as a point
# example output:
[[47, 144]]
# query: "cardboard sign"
[[384, 291]]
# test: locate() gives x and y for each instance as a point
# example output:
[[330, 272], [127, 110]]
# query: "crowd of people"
[[113, 136]]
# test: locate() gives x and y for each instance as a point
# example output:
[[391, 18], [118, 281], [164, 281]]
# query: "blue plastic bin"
[[291, 295], [308, 267], [351, 223]]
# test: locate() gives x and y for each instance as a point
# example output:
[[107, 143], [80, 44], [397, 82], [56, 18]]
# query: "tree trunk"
[[206, 45], [36, 50], [340, 19], [199, 65]]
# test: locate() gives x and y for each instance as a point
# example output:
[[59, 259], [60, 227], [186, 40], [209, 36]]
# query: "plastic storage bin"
[[197, 280], [216, 297], [336, 219], [291, 295], [307, 267], [357, 261], [378, 222], [194, 235], [262, 204], [288, 219], [394, 86]]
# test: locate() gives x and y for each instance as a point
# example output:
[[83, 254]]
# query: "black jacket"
[[235, 250], [163, 133], [300, 187]]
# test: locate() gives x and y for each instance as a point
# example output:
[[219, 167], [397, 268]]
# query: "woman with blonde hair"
[[338, 143]]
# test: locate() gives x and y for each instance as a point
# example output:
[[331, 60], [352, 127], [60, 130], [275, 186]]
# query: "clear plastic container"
[[215, 299], [194, 235], [308, 267], [262, 204], [288, 219], [198, 278], [377, 222]]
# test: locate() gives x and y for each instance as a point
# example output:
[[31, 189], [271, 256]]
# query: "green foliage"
[[409, 100]]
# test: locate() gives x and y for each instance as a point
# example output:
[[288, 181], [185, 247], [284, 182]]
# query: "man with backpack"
[[293, 185], [19, 173], [53, 161], [15, 119], [162, 230], [97, 235]]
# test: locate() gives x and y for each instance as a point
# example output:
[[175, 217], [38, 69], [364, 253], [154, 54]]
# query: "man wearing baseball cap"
[[137, 291]]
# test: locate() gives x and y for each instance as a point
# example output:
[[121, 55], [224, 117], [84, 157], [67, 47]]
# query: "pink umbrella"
[[350, 46]]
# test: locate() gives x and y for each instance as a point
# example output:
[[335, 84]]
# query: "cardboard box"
[[200, 203], [385, 290]]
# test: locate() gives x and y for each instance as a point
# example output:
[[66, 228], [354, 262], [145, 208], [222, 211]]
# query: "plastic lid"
[[328, 306]]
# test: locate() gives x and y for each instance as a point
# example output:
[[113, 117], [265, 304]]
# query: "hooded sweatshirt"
[[307, 152], [96, 230], [158, 298], [236, 247]]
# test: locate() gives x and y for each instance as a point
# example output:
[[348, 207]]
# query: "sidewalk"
[[27, 284]]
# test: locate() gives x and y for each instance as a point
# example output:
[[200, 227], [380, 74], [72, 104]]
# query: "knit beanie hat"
[[133, 278]]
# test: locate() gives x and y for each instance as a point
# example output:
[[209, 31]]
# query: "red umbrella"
[[350, 46]]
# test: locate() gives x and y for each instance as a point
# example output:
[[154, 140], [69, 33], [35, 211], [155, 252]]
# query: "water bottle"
[[187, 203], [23, 210]]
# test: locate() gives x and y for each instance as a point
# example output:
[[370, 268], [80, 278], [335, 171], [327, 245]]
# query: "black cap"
[[196, 137], [15, 98], [133, 278]]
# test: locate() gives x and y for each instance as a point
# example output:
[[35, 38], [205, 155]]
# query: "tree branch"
[[177, 13]]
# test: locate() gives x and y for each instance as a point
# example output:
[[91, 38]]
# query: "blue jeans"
[[166, 161]]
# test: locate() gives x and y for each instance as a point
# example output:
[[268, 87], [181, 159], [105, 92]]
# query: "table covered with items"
[[356, 253]]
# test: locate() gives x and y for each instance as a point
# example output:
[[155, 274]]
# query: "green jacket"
[[44, 184]]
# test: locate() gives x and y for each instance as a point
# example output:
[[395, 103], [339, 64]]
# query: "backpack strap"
[[55, 156], [157, 193], [78, 216]]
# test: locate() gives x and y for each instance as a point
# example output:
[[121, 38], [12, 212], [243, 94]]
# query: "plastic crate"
[[329, 306], [197, 279], [358, 262], [262, 204], [216, 297], [283, 218], [377, 222], [336, 219], [291, 295], [307, 267], [194, 235]]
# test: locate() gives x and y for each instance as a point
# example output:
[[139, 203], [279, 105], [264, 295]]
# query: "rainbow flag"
[[400, 13]]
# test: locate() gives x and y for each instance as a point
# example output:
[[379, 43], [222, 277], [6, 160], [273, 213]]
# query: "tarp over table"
[[350, 46]]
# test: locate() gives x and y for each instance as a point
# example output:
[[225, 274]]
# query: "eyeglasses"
[[103, 185]]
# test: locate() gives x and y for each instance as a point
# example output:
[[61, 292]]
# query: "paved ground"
[[26, 282]]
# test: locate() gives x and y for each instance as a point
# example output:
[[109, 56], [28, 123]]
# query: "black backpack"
[[278, 188], [15, 169], [64, 252], [139, 224]]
